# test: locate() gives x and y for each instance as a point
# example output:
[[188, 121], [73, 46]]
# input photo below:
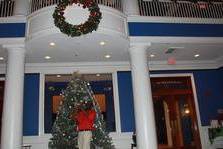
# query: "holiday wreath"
[[77, 30]]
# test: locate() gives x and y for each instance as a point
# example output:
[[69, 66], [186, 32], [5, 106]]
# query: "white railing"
[[6, 8], [38, 4], [116, 4], [181, 9]]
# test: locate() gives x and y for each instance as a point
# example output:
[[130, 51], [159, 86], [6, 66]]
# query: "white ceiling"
[[88, 49], [186, 52], [79, 49]]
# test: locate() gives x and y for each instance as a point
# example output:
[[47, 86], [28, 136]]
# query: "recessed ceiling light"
[[47, 57], [58, 76], [152, 55], [107, 56], [102, 43], [196, 55], [98, 75], [1, 58], [52, 44]]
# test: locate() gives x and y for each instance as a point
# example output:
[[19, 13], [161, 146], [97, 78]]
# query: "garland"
[[77, 30]]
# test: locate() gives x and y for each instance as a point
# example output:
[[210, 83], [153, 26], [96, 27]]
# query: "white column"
[[12, 119], [130, 7], [143, 103], [21, 7]]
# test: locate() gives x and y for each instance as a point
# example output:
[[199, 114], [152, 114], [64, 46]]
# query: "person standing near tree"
[[85, 118]]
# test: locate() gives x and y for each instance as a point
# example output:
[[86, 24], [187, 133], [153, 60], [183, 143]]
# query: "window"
[[102, 88]]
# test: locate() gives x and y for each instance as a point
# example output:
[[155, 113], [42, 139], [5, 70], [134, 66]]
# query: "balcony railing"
[[181, 9], [38, 4], [6, 8]]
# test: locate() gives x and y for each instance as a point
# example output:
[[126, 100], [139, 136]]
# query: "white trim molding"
[[178, 20], [54, 68], [219, 61], [41, 103], [2, 68], [183, 65], [13, 19], [12, 41], [115, 66], [87, 71], [116, 102], [189, 40]]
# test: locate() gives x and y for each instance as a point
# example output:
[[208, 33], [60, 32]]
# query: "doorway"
[[175, 114]]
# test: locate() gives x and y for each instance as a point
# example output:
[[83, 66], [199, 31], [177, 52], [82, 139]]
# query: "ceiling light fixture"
[[107, 56], [58, 76], [102, 43], [196, 55], [98, 75], [1, 58], [52, 44], [152, 55], [47, 57]]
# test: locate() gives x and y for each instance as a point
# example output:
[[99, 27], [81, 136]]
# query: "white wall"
[[121, 141]]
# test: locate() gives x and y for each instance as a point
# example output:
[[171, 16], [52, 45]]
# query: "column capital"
[[139, 46], [10, 47]]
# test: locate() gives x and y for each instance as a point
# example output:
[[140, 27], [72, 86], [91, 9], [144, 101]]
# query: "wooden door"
[[168, 125], [175, 114]]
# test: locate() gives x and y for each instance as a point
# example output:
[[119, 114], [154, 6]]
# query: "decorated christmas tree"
[[64, 132]]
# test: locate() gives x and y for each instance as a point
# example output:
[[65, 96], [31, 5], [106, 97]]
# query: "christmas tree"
[[64, 132]]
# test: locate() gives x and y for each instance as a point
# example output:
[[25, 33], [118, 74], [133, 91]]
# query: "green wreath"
[[77, 30]]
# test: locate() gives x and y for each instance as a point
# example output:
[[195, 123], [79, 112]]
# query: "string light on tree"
[[64, 130]]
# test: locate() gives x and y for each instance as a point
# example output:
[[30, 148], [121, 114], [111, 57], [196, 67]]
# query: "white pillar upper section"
[[130, 7], [12, 119], [21, 7], [143, 103]]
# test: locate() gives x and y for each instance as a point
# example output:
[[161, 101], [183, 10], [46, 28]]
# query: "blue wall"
[[175, 29], [10, 30], [31, 105], [209, 86], [126, 101]]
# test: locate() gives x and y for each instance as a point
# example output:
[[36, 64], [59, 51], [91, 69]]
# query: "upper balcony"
[[149, 8], [39, 4], [181, 9]]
